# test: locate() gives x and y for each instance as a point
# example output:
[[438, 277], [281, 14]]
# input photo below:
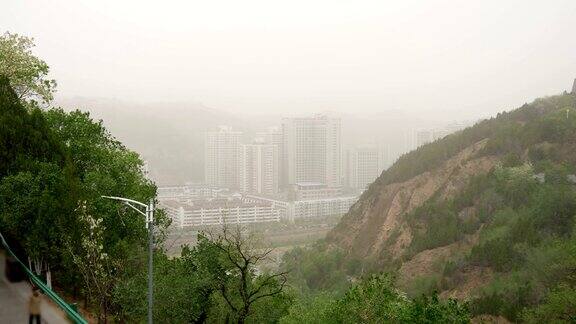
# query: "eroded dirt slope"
[[376, 225]]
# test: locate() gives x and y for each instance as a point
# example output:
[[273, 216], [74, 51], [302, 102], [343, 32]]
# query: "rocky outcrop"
[[376, 226]]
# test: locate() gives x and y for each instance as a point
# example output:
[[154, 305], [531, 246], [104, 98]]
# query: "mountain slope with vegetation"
[[486, 214]]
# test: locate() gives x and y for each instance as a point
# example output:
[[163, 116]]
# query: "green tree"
[[376, 300], [38, 188], [312, 309], [206, 284], [105, 167], [95, 266], [559, 307], [27, 73], [239, 285], [430, 309], [182, 286]]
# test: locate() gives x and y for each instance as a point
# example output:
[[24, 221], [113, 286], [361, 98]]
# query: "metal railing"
[[67, 308]]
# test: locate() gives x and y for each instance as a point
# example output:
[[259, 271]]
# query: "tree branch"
[[268, 281], [273, 293], [223, 291]]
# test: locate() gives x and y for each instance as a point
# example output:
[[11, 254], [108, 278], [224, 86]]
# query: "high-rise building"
[[259, 168], [363, 167], [312, 150], [221, 157], [273, 136]]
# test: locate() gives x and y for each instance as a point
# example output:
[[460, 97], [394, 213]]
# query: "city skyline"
[[303, 153]]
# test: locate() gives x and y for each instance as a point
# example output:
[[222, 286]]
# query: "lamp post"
[[149, 214]]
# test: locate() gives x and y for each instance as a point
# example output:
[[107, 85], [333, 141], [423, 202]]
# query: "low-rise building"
[[318, 208], [314, 190], [311, 208], [219, 211], [283, 206]]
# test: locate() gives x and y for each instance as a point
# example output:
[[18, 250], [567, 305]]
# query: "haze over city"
[[160, 74], [442, 59]]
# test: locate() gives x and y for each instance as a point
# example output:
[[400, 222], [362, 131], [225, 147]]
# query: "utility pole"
[[149, 214], [150, 259]]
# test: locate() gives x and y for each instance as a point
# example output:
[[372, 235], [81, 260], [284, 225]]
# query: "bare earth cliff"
[[366, 230]]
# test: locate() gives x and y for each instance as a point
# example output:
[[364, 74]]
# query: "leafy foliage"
[[182, 286], [28, 75], [205, 284], [106, 167], [52, 165], [558, 307], [316, 269], [376, 300], [38, 189]]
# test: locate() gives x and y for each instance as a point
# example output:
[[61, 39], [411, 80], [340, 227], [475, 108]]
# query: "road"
[[12, 308], [13, 302]]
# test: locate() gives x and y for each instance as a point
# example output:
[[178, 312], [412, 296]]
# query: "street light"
[[149, 214]]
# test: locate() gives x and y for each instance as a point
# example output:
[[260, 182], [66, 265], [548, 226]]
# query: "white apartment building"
[[273, 136], [363, 167], [221, 157], [312, 150], [259, 169], [305, 209], [282, 206], [219, 211], [319, 208], [314, 190]]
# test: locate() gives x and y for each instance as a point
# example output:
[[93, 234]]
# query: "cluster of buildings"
[[301, 150], [295, 171], [290, 172]]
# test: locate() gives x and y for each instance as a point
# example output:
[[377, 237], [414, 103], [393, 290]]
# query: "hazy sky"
[[301, 56]]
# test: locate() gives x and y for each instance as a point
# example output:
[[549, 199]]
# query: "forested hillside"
[[485, 215]]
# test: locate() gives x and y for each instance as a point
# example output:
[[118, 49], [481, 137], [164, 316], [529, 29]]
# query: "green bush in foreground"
[[376, 300]]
